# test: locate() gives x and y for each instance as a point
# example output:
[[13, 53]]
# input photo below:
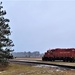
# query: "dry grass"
[[17, 69], [38, 59]]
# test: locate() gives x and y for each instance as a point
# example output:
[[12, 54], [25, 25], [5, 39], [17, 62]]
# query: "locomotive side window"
[[73, 50]]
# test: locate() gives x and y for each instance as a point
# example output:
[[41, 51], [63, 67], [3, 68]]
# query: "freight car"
[[66, 55]]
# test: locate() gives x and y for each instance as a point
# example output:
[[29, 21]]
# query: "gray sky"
[[38, 25]]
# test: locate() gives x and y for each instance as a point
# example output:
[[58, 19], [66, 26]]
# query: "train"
[[61, 54]]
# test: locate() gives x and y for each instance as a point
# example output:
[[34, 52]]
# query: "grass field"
[[18, 69], [38, 59]]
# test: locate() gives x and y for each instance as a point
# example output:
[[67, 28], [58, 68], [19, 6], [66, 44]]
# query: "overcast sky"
[[38, 25]]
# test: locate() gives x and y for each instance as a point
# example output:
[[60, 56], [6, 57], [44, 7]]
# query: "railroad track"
[[44, 63]]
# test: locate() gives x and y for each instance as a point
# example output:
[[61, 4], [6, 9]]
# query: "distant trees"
[[5, 42], [27, 54]]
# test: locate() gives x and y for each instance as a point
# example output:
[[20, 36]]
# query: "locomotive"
[[66, 55]]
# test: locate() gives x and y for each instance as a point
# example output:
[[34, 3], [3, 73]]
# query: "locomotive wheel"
[[45, 59], [72, 60]]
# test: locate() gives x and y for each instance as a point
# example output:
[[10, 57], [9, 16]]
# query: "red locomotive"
[[60, 54]]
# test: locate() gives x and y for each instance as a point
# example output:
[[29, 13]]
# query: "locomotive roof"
[[57, 49]]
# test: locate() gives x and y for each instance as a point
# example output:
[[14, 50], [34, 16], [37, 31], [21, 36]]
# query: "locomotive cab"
[[48, 56]]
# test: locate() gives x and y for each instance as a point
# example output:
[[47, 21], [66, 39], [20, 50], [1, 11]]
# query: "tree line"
[[27, 54]]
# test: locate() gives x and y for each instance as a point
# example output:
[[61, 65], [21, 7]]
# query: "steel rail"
[[43, 63]]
